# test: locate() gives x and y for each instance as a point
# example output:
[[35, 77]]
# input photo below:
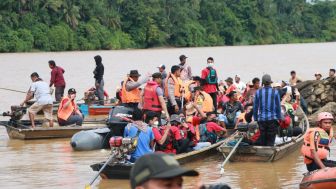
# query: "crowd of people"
[[178, 111]]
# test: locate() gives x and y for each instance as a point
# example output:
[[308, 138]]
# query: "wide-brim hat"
[[134, 73]]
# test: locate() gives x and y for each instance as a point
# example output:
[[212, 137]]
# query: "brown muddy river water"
[[53, 164]]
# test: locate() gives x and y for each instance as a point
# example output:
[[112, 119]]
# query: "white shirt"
[[240, 86], [41, 92]]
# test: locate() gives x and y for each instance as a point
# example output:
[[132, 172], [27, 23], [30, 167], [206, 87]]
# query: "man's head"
[[293, 74], [237, 78], [134, 74], [318, 76], [325, 120], [266, 80], [152, 118], [72, 93], [256, 83], [229, 81], [183, 59], [176, 70], [98, 59], [175, 119], [34, 76], [233, 96], [158, 171], [332, 73], [162, 67], [157, 77], [52, 64], [198, 80], [211, 116], [210, 62]]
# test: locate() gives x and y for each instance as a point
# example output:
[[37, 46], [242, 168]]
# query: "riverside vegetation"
[[63, 25]]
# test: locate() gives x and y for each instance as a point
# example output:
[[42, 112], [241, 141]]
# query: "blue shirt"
[[144, 140], [266, 105]]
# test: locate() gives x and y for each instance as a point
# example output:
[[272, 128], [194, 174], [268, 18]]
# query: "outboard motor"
[[16, 113], [115, 120], [122, 147]]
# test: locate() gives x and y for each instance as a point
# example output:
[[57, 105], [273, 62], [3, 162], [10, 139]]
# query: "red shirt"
[[57, 78], [176, 133], [208, 88], [211, 127]]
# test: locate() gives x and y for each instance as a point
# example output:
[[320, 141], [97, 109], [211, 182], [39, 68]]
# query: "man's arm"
[[189, 73], [256, 106], [52, 77], [29, 96], [278, 105], [164, 106], [130, 85], [313, 141]]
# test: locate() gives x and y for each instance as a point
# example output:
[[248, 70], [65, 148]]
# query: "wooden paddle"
[[13, 90], [229, 156], [88, 186]]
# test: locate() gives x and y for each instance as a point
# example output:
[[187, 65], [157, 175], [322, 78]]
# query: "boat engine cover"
[[115, 122]]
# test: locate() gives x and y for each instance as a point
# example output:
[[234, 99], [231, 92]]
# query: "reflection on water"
[[53, 164]]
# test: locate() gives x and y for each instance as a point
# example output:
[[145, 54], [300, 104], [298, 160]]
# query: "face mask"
[[156, 123], [210, 65]]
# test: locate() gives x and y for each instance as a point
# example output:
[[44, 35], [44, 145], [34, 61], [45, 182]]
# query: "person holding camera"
[[68, 112], [231, 110]]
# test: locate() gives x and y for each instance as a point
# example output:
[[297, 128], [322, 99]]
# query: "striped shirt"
[[266, 105]]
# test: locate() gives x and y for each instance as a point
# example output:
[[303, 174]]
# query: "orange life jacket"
[[177, 85], [132, 96], [151, 99], [321, 146], [64, 113], [207, 105], [187, 92]]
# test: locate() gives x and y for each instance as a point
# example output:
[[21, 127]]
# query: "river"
[[53, 164]]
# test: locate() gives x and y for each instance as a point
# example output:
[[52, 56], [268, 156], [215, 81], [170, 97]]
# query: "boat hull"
[[319, 179], [122, 171]]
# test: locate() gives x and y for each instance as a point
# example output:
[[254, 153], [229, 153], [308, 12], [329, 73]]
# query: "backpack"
[[212, 76], [231, 116], [205, 135]]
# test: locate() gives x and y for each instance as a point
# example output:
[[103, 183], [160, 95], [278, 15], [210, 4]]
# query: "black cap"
[[175, 68], [266, 79], [98, 58], [134, 73], [157, 75], [182, 57], [229, 79], [34, 74], [157, 166], [72, 91]]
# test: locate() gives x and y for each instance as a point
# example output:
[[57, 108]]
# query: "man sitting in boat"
[[187, 133], [231, 110], [91, 95], [168, 138], [208, 129], [316, 143], [68, 112], [203, 100], [41, 91], [143, 134]]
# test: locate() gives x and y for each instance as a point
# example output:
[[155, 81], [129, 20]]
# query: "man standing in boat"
[[210, 81], [173, 90], [152, 97], [41, 91], [68, 112], [267, 111], [130, 92], [99, 81], [185, 69], [57, 80], [315, 148]]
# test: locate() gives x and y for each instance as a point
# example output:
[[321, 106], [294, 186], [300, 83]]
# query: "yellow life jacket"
[[132, 96]]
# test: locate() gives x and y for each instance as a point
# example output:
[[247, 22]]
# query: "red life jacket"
[[151, 99]]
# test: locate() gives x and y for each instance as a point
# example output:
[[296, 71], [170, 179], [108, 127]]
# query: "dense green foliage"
[[60, 25]]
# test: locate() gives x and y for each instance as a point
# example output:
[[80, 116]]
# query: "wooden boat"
[[100, 109], [267, 153], [122, 171], [319, 179], [23, 131]]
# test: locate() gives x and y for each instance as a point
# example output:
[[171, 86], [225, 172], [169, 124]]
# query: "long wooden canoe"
[[267, 153], [122, 171], [23, 131]]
